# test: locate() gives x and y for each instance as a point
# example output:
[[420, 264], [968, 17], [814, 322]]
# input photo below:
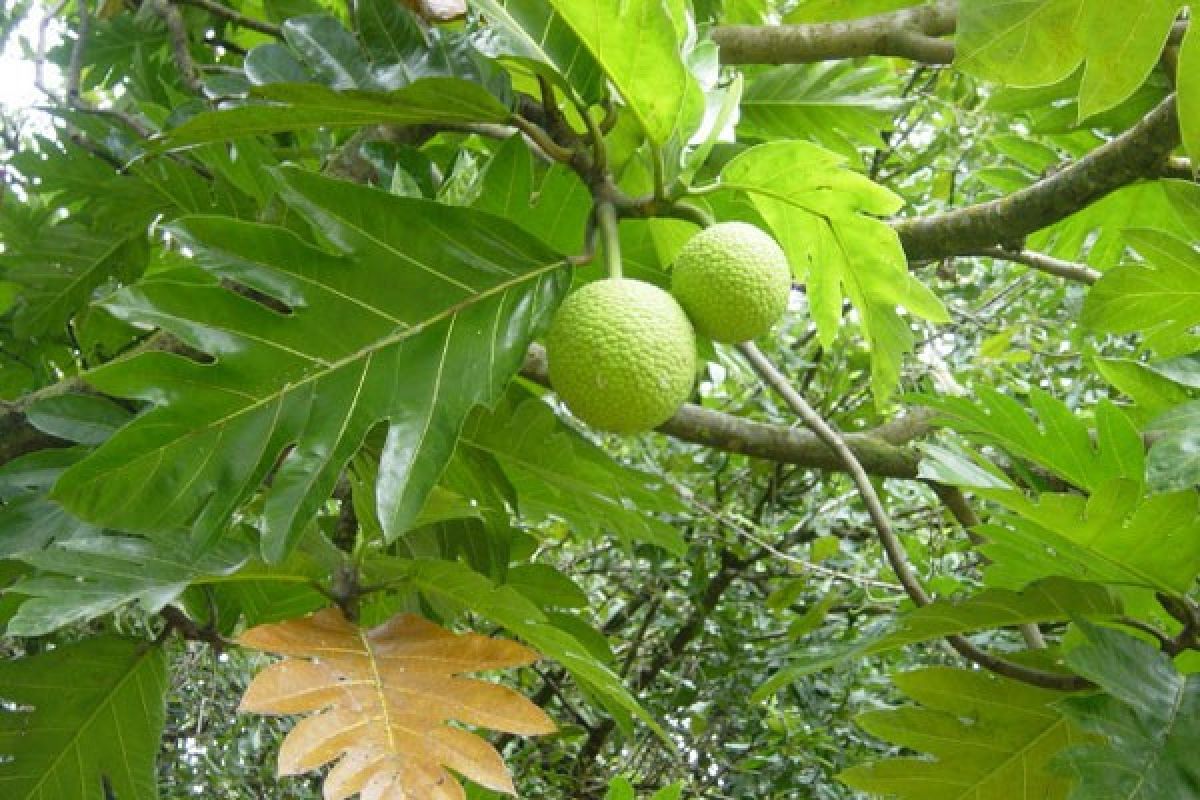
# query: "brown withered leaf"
[[383, 698]]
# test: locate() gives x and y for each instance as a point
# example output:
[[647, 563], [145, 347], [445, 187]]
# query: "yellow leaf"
[[382, 699]]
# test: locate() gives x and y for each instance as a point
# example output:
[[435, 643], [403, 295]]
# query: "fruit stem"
[[606, 221]]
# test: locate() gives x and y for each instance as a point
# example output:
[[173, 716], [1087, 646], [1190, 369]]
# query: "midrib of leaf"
[[364, 352], [377, 681], [1019, 754], [105, 704]]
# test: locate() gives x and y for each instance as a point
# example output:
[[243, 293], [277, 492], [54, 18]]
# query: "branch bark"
[[911, 34], [880, 451], [1138, 152], [1072, 271]]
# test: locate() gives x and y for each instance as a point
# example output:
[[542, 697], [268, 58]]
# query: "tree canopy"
[[289, 507]]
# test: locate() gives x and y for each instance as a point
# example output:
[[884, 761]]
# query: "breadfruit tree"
[[597, 399]]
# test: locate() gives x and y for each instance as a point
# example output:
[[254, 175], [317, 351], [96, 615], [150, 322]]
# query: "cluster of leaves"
[[267, 353]]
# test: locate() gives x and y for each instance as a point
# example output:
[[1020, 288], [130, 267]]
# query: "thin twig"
[[892, 547], [1072, 271], [75, 65], [224, 11], [541, 139], [181, 51]]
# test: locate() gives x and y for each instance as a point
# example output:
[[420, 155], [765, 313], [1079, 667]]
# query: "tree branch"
[[221, 10], [892, 547], [879, 451], [1138, 152], [1072, 271], [177, 34], [910, 34]]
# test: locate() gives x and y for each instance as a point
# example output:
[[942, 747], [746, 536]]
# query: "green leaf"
[[1174, 461], [1057, 439], [841, 106], [826, 219], [390, 33], [304, 106], [80, 714], [82, 418], [1148, 714], [1159, 298], [620, 788], [1115, 536], [1121, 46], [506, 607], [559, 475], [1021, 42], [59, 274], [546, 586], [1189, 91], [1041, 42], [433, 307], [1096, 234], [556, 211], [986, 737], [87, 577], [637, 44], [1152, 392], [330, 51], [28, 520], [274, 63], [1050, 600], [958, 467], [533, 33]]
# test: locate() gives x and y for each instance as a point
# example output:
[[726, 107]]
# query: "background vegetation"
[[256, 360]]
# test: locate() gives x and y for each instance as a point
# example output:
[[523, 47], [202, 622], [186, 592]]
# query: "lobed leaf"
[[424, 313], [80, 715], [1057, 439], [1115, 536], [826, 219], [637, 44], [381, 700], [1159, 298], [985, 737], [1148, 714], [1049, 600]]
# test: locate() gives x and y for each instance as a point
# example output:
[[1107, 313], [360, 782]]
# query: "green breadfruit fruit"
[[622, 355], [733, 281]]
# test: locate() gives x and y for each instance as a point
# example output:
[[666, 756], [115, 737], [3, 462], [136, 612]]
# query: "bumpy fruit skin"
[[733, 281], [622, 355]]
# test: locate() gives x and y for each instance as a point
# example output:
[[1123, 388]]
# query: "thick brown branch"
[[1138, 152], [910, 34], [879, 451]]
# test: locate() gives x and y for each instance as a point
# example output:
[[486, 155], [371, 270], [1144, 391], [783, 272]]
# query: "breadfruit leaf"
[[380, 701]]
